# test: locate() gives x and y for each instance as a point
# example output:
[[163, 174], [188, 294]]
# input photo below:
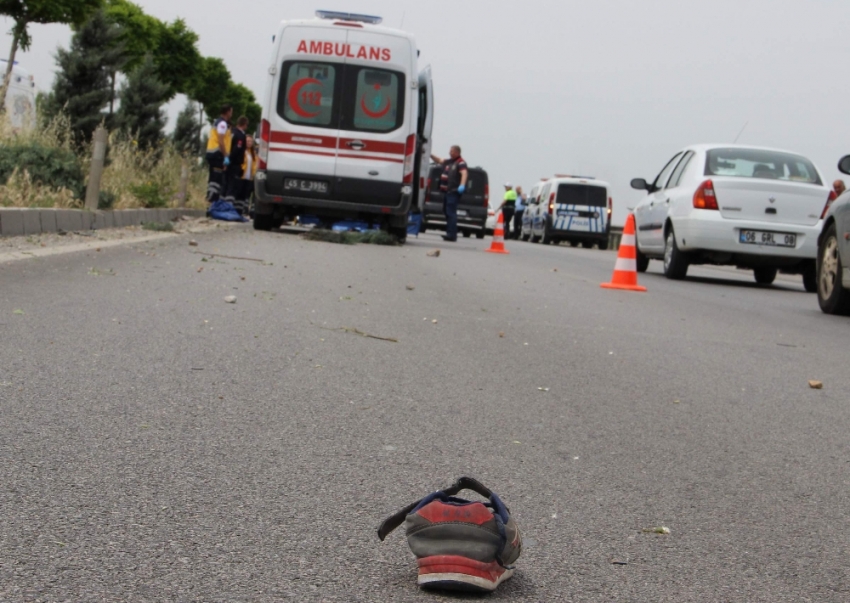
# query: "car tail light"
[[265, 138], [832, 197], [705, 198], [610, 206], [551, 204], [409, 156], [486, 195]]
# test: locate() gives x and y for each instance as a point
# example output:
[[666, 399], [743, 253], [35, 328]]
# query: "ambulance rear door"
[[305, 112], [425, 126], [377, 139]]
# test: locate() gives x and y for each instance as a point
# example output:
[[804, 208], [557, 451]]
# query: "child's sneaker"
[[460, 545]]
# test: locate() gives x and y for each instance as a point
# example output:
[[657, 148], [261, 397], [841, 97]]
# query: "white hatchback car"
[[749, 207]]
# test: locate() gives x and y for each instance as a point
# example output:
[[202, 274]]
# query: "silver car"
[[834, 253]]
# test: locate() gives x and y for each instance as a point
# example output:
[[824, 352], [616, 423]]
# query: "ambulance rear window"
[[378, 103], [307, 94], [582, 194]]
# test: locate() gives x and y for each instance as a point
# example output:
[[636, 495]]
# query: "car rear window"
[[582, 194], [307, 93], [756, 163]]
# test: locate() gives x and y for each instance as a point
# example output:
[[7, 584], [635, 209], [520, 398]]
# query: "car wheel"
[[573, 243], [532, 238], [525, 237], [264, 222], [466, 234], [400, 233], [479, 234], [586, 244], [675, 261], [546, 239], [810, 277], [641, 260], [765, 276], [832, 296], [603, 244]]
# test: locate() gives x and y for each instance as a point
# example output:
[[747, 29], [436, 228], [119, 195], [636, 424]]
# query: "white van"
[[20, 99], [347, 120], [575, 209]]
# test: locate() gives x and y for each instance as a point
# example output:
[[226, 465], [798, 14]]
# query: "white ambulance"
[[347, 120]]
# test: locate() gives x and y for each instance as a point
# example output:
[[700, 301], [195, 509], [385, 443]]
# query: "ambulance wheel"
[[264, 222], [400, 233], [466, 234], [479, 234]]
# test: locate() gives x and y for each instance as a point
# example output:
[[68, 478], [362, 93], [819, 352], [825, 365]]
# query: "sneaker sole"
[[449, 572]]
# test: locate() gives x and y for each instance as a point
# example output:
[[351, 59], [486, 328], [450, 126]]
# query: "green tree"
[[187, 130], [244, 103], [141, 114], [24, 12], [82, 86], [176, 56], [210, 86]]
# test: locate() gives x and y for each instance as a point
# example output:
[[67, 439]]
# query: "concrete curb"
[[16, 221]]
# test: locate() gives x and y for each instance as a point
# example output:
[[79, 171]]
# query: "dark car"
[[472, 210]]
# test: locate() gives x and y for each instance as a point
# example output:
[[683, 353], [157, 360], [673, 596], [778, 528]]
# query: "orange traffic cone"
[[625, 270], [498, 245]]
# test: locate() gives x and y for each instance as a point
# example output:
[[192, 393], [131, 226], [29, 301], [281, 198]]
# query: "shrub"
[[50, 167], [150, 194]]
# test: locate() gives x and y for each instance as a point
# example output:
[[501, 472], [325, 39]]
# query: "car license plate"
[[769, 239], [462, 212], [305, 186]]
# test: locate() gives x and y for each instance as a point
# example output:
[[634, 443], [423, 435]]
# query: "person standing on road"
[[218, 151], [508, 208], [452, 185], [235, 160], [838, 187], [520, 209], [249, 170]]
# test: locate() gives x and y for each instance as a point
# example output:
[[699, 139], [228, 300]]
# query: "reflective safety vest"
[[212, 143], [510, 198]]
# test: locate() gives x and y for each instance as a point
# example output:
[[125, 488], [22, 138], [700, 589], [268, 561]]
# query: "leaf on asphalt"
[[658, 530], [193, 243], [543, 389], [501, 333], [200, 268], [433, 254], [18, 311], [230, 299], [434, 321], [816, 384], [410, 287], [517, 442]]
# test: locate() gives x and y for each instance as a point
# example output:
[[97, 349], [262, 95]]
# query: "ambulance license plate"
[[305, 186], [768, 239]]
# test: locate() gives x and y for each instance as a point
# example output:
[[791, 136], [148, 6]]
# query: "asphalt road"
[[159, 444]]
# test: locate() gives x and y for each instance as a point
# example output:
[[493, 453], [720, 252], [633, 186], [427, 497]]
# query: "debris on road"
[[230, 299], [410, 287], [229, 257], [501, 334], [658, 530], [433, 254], [543, 389], [355, 331], [434, 321], [18, 311], [200, 268], [816, 384], [193, 243], [619, 562]]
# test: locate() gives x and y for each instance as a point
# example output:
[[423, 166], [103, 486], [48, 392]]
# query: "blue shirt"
[[520, 205]]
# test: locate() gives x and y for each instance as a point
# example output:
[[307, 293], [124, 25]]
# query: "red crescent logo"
[[293, 97], [372, 114]]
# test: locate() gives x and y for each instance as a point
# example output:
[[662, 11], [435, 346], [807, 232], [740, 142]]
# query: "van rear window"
[[379, 99], [307, 94], [333, 95], [582, 194]]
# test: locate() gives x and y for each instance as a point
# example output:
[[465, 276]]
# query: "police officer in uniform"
[[452, 185], [218, 154], [508, 208]]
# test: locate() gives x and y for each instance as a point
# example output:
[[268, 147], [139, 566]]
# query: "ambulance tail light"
[[551, 204], [705, 198], [832, 197], [610, 206], [265, 138], [486, 195], [409, 157]]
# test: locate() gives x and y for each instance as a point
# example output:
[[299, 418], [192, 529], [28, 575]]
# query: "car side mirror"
[[844, 165], [640, 184]]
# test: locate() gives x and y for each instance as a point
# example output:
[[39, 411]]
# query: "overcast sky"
[[610, 88]]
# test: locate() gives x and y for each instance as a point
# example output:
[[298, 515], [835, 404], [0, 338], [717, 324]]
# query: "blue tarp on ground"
[[414, 224], [224, 210], [351, 226]]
